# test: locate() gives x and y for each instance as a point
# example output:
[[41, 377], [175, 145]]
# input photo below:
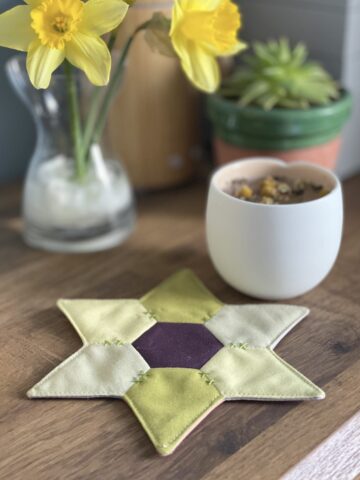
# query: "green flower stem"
[[75, 122], [112, 90], [95, 104], [112, 40], [92, 119], [101, 103], [90, 124]]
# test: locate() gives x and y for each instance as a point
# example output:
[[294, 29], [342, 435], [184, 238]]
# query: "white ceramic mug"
[[273, 252]]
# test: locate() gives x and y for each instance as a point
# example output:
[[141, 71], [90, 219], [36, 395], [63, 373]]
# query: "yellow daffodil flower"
[[52, 30], [202, 30]]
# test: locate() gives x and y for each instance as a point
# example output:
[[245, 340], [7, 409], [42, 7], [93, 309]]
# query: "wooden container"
[[154, 124]]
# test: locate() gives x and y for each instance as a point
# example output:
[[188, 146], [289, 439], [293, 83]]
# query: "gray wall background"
[[17, 132], [329, 27]]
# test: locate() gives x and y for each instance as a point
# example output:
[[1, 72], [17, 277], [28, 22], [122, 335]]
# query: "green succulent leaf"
[[263, 53], [277, 75], [284, 51], [299, 55], [252, 91]]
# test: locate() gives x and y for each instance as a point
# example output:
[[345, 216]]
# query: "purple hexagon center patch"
[[177, 345]]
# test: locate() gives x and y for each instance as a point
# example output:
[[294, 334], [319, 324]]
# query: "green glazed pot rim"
[[280, 128], [344, 101]]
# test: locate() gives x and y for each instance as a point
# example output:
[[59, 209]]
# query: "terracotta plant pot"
[[312, 135]]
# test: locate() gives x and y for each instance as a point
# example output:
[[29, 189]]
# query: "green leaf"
[[252, 92], [299, 55], [240, 77], [273, 71], [269, 101], [284, 50], [263, 53], [273, 47], [277, 75]]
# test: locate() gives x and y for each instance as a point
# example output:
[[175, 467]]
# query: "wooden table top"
[[101, 439]]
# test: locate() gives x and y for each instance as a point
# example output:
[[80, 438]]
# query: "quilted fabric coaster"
[[175, 355]]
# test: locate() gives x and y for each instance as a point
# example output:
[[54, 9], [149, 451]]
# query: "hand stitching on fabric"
[[241, 346]]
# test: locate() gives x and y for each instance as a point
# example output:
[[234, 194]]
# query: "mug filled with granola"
[[274, 229], [276, 190]]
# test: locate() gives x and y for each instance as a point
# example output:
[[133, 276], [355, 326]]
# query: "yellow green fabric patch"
[[170, 402], [182, 298], [175, 355]]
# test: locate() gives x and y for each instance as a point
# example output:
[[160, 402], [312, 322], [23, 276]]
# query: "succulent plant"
[[277, 75]]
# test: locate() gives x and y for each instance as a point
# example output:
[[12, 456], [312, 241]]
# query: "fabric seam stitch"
[[172, 441], [74, 356]]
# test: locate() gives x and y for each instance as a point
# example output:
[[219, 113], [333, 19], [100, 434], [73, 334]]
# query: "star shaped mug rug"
[[177, 354]]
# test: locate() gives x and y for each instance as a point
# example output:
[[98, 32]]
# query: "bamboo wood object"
[[154, 121]]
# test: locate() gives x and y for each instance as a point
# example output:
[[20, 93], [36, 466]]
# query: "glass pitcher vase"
[[62, 211]]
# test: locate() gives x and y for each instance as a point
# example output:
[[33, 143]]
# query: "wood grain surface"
[[101, 439]]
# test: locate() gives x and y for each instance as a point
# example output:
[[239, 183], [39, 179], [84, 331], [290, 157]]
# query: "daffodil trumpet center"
[[56, 21], [61, 24], [215, 30]]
